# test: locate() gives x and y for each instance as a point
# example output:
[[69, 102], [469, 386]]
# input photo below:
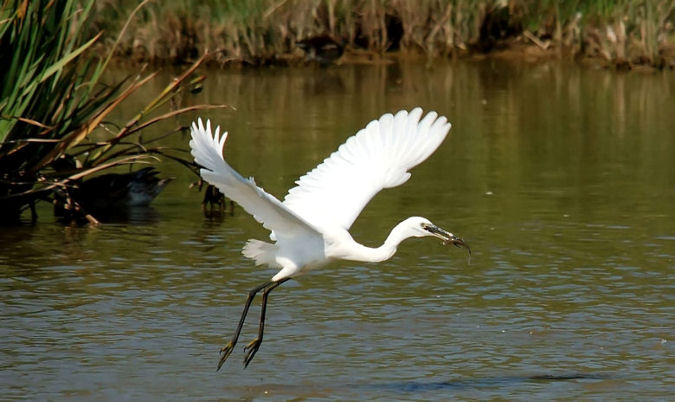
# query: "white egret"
[[310, 227]]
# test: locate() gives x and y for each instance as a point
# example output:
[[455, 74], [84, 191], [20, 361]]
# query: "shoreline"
[[623, 35], [516, 52]]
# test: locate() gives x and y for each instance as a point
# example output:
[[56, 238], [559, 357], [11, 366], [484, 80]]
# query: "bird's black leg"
[[253, 346], [227, 349]]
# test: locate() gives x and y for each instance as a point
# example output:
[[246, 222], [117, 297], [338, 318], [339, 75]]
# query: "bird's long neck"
[[385, 251]]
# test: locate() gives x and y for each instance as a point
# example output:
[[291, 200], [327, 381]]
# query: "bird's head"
[[422, 227]]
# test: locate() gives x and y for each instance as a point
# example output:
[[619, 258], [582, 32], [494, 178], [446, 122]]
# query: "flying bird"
[[310, 228]]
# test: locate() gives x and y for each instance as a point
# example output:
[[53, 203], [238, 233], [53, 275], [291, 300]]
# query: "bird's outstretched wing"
[[378, 156], [265, 208]]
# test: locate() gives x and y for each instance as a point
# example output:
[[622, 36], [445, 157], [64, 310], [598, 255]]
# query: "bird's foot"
[[225, 352], [251, 350]]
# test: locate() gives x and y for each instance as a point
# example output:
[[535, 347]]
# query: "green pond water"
[[561, 178]]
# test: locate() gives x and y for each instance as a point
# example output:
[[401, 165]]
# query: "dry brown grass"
[[265, 31]]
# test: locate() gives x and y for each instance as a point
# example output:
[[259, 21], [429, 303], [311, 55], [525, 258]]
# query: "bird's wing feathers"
[[378, 156], [265, 208]]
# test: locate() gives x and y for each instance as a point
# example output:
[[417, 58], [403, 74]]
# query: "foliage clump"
[[52, 100]]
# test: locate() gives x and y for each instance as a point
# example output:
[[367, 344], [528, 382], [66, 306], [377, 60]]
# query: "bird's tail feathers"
[[261, 252]]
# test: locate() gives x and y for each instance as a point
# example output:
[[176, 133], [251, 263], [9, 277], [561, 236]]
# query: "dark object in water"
[[109, 192], [131, 189], [323, 48], [213, 199]]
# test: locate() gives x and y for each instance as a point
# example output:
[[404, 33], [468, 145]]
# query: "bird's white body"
[[310, 227]]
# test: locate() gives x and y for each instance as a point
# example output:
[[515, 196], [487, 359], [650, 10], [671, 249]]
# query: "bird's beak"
[[447, 237]]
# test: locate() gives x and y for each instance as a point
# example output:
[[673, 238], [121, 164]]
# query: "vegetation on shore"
[[54, 106], [620, 32]]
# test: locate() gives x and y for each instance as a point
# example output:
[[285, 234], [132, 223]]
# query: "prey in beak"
[[447, 237]]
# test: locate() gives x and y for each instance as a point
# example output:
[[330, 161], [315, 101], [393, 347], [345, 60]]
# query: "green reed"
[[52, 98]]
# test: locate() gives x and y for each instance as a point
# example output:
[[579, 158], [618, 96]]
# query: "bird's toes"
[[223, 357], [227, 349], [249, 357], [254, 343], [251, 349], [225, 352]]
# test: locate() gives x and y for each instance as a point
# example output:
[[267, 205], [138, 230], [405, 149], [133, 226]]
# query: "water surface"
[[561, 179]]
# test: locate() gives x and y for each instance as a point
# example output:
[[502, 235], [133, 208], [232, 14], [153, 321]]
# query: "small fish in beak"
[[457, 242], [447, 237]]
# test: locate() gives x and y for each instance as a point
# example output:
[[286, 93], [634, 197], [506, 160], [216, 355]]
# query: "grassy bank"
[[621, 33]]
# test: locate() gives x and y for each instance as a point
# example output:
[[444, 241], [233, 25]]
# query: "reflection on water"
[[560, 178]]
